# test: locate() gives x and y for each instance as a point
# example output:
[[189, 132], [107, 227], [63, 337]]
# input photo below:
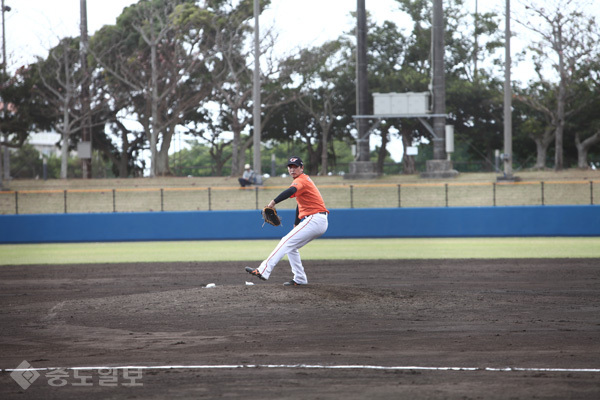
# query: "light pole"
[[507, 156], [508, 173], [4, 162], [256, 96], [362, 167], [85, 92], [438, 81], [4, 9], [362, 86]]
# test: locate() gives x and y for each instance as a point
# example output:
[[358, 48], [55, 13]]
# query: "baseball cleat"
[[292, 283], [254, 272]]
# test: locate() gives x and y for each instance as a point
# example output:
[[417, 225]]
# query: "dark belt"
[[323, 212]]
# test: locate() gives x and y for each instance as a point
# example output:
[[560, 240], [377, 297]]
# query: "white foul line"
[[312, 366]]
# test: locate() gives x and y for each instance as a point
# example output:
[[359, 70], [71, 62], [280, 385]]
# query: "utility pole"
[[439, 81], [4, 154], [362, 167], [86, 145], [508, 173], [440, 166], [256, 96], [476, 41], [362, 85]]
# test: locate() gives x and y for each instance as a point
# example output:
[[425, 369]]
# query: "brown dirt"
[[421, 313]]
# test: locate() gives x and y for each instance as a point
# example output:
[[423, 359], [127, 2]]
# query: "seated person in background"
[[248, 177]]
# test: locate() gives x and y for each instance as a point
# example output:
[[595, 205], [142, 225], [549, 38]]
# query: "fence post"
[[162, 199], [17, 202], [446, 189], [494, 191], [114, 200], [542, 192], [209, 201], [351, 196], [592, 193], [399, 195], [256, 195], [65, 200]]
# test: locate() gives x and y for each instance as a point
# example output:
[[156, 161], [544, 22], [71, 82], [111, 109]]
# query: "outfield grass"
[[321, 249]]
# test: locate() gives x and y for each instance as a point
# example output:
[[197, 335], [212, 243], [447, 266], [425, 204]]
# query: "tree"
[[231, 73], [572, 39], [117, 104], [402, 63], [196, 161], [156, 55], [124, 155], [224, 29], [232, 76], [392, 68], [26, 163], [295, 125], [541, 121], [587, 125], [61, 77], [319, 92], [22, 109]]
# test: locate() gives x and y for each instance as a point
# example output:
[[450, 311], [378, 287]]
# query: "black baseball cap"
[[297, 161]]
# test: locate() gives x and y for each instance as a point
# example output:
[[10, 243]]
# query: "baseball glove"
[[270, 216]]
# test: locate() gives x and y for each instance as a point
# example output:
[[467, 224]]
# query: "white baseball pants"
[[308, 229]]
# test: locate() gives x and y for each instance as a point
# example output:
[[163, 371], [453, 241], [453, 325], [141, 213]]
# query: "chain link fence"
[[336, 196]]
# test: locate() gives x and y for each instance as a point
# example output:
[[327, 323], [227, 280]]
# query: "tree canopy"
[[185, 67]]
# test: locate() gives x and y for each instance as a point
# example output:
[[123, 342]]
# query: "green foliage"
[[27, 163], [22, 110], [197, 161], [194, 161], [308, 98]]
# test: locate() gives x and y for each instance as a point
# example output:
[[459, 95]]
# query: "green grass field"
[[320, 249]]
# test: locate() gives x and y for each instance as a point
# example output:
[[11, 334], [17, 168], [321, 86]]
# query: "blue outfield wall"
[[343, 223]]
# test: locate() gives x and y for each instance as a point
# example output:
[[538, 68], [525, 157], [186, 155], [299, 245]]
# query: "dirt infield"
[[391, 327]]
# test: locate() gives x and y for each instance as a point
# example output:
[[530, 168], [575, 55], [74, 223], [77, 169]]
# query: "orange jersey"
[[308, 197]]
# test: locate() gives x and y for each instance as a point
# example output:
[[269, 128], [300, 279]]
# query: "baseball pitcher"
[[311, 222]]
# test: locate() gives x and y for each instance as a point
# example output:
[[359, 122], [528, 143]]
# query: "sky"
[[34, 26]]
